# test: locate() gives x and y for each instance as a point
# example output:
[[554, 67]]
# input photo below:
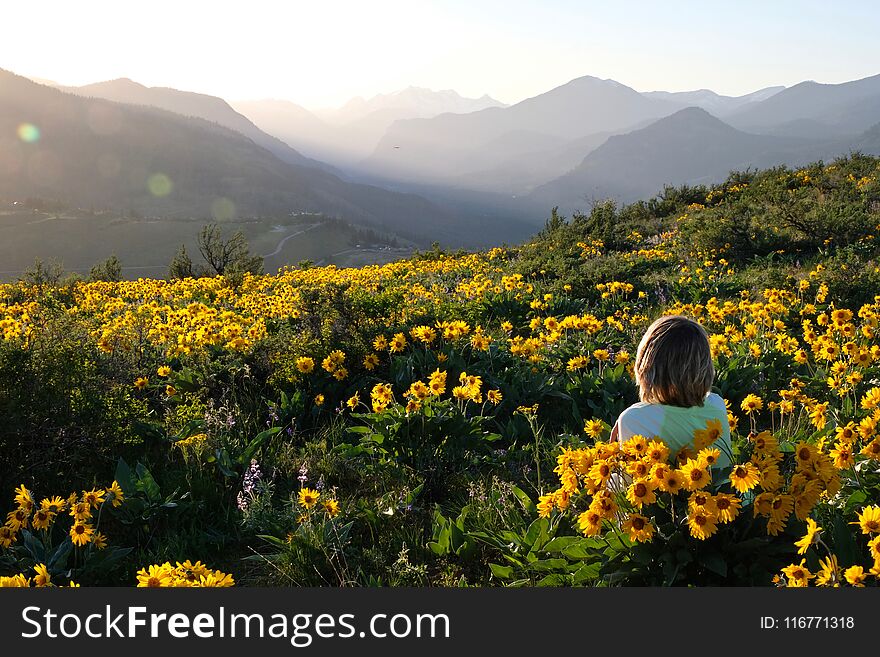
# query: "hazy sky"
[[322, 52]]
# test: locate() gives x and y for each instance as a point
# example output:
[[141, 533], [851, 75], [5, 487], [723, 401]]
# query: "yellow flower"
[[590, 523], [140, 383], [215, 579], [115, 494], [752, 404], [331, 507], [545, 505], [705, 437], [600, 473], [829, 573], [18, 519], [797, 575], [81, 533], [494, 396], [744, 477], [398, 343], [695, 474], [42, 578], [855, 575], [657, 452], [810, 537], [305, 364], [641, 493], [594, 428], [163, 371], [702, 525], [42, 519], [16, 581], [639, 528], [24, 498], [319, 400], [155, 576], [53, 505], [94, 498], [727, 507], [869, 520], [673, 482], [636, 446], [8, 536], [353, 401], [308, 497]]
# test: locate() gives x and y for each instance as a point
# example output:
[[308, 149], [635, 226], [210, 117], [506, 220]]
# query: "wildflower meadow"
[[444, 420]]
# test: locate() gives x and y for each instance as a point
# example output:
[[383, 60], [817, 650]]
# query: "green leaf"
[[715, 562], [642, 554], [544, 565], [414, 493], [584, 548], [844, 544], [559, 543], [359, 429], [501, 572], [34, 546], [587, 572], [255, 444], [536, 535], [525, 500], [123, 477], [146, 484], [58, 559], [189, 429]]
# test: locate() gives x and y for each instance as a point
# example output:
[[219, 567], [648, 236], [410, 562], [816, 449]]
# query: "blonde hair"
[[674, 363]]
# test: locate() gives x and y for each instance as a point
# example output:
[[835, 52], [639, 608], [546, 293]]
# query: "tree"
[[43, 274], [230, 256], [181, 265], [109, 270]]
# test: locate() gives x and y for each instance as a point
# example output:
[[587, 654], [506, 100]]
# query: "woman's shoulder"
[[714, 399], [639, 409]]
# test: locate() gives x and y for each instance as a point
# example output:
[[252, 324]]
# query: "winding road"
[[284, 240]]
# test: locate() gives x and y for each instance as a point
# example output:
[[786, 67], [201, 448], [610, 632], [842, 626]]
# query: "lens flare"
[[222, 209], [160, 185], [28, 133]]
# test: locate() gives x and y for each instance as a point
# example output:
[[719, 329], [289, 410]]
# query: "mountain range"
[[348, 134], [421, 164]]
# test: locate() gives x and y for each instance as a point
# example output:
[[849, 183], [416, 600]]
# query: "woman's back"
[[679, 427]]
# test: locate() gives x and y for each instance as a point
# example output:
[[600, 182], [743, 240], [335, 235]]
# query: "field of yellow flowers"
[[445, 420]]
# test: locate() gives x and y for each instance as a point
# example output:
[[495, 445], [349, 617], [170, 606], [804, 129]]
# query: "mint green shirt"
[[675, 425]]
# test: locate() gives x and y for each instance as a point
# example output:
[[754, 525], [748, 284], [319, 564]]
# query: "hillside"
[[187, 103], [95, 153], [294, 125], [689, 147], [811, 109]]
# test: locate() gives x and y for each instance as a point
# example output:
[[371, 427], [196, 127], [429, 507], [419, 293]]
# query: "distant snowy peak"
[[412, 102], [713, 102]]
